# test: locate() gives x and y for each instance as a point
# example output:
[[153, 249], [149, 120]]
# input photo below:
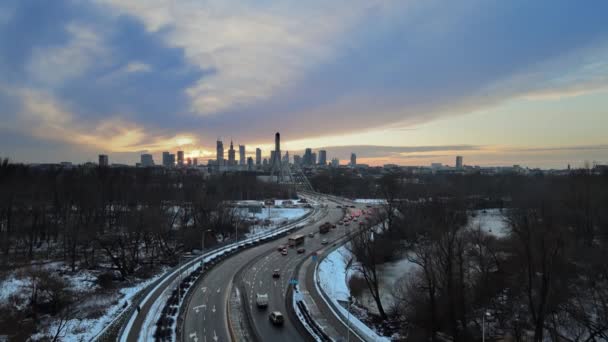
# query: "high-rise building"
[[286, 157], [167, 159], [322, 157], [297, 160], [250, 164], [146, 160], [242, 159], [231, 155], [195, 161], [459, 162], [189, 161], [172, 159], [313, 158], [272, 157], [277, 149], [258, 156], [353, 160], [307, 160], [219, 153], [265, 162], [104, 160], [335, 162], [180, 158]]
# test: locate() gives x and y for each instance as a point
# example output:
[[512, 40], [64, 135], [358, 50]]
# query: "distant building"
[[219, 153], [258, 156], [322, 157], [353, 160], [297, 160], [436, 166], [459, 162], [242, 159], [286, 157], [195, 161], [307, 159], [189, 161], [265, 162], [272, 156], [104, 160], [335, 162], [167, 159], [313, 158], [180, 158], [231, 155], [146, 160], [250, 164]]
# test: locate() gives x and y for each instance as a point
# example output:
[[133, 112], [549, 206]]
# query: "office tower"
[[286, 157], [353, 160], [189, 161], [313, 158], [335, 162], [297, 160], [272, 156], [258, 156], [265, 162], [180, 158], [322, 157], [275, 159], [167, 159], [104, 160], [242, 160], [220, 153], [231, 155], [146, 160], [172, 160], [307, 157], [195, 161], [459, 162], [250, 164]]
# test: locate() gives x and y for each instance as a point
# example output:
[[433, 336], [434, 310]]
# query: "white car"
[[261, 300]]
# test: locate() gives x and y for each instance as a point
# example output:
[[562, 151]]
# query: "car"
[[368, 206], [261, 300], [339, 206], [280, 248], [276, 317], [284, 252], [301, 250], [324, 242], [340, 223], [333, 226], [352, 206], [276, 273], [311, 234], [347, 224]]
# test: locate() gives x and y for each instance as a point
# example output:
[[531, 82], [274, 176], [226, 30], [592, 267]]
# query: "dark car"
[[301, 250], [276, 317]]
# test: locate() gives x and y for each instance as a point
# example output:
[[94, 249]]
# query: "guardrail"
[[209, 257]]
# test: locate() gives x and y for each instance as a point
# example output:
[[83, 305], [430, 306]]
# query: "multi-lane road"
[[205, 312]]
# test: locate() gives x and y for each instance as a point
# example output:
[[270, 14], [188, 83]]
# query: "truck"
[[295, 240], [261, 300], [324, 228]]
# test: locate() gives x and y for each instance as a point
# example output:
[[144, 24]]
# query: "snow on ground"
[[332, 277], [370, 200], [271, 218], [492, 221]]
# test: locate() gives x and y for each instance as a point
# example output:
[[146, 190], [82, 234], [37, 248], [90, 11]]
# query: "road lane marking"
[[197, 308], [194, 337], [204, 289], [218, 290], [214, 336], [213, 309]]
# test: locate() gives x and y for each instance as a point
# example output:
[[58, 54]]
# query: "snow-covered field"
[[370, 201], [491, 221], [271, 218], [332, 277], [94, 310]]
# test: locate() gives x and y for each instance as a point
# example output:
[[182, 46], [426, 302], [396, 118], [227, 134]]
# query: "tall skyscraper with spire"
[[231, 155]]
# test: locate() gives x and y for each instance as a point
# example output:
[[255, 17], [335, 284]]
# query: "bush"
[[357, 285], [105, 280]]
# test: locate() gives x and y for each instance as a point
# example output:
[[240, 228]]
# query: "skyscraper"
[[353, 160], [250, 164], [286, 157], [272, 157], [297, 160], [313, 158], [220, 153], [277, 150], [146, 160], [167, 159], [307, 160], [104, 160], [231, 156], [258, 156], [195, 161], [322, 157], [459, 162], [180, 158], [242, 159], [335, 162]]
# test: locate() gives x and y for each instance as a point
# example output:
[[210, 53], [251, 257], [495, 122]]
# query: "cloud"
[[137, 67]]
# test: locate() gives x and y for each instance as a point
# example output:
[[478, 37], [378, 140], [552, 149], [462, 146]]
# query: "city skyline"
[[418, 82]]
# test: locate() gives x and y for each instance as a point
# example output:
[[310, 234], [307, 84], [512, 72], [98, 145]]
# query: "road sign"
[[293, 281]]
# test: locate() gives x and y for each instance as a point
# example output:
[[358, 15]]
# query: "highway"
[[257, 278], [205, 311]]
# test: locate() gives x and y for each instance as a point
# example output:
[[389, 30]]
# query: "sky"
[[409, 82]]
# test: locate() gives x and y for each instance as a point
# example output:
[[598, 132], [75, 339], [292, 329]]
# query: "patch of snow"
[[491, 221], [370, 200], [332, 278]]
